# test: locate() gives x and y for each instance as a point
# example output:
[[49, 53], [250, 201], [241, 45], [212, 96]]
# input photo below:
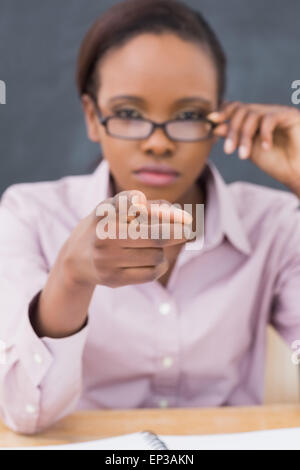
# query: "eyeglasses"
[[183, 130]]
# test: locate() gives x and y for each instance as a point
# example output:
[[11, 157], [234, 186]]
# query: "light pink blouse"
[[198, 342]]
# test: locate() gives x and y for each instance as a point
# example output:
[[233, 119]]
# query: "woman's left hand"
[[268, 135]]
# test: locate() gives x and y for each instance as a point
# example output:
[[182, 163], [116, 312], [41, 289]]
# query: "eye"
[[192, 115], [131, 113], [127, 113]]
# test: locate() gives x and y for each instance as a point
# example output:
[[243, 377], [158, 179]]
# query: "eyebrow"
[[138, 99]]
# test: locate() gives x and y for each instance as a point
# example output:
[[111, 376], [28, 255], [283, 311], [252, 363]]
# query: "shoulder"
[[44, 196], [269, 217], [259, 203]]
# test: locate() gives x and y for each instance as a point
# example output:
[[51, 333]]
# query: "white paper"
[[278, 439], [133, 441]]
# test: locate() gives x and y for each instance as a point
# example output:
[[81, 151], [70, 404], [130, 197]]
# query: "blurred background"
[[42, 129]]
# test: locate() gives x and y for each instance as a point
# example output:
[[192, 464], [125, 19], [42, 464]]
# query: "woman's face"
[[160, 70]]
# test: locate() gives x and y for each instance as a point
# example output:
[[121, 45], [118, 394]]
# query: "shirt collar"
[[221, 215], [96, 187]]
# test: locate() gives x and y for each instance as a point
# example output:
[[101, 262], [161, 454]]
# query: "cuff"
[[37, 354]]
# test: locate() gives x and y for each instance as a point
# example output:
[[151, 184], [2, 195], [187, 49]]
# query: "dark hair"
[[129, 18]]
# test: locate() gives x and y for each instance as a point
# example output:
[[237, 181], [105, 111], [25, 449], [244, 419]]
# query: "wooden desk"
[[90, 425]]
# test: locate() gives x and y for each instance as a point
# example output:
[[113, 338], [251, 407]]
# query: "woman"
[[89, 322]]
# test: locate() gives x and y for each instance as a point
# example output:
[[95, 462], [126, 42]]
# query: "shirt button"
[[164, 308], [163, 403], [167, 361], [30, 409], [38, 358]]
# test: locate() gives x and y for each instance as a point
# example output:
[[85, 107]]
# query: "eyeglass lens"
[[177, 130]]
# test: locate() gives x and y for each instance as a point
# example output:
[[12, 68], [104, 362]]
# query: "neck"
[[194, 195]]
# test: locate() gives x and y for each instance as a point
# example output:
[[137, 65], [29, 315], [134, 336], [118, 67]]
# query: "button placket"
[[163, 403], [167, 361], [166, 377], [165, 308], [37, 358], [30, 409]]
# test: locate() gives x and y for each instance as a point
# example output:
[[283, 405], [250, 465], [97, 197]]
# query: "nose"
[[158, 143]]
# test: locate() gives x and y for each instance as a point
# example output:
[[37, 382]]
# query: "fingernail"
[[243, 152], [135, 199], [181, 216], [214, 116], [228, 145], [266, 145], [187, 217]]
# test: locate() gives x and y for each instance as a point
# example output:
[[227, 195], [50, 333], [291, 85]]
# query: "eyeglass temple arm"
[[102, 120]]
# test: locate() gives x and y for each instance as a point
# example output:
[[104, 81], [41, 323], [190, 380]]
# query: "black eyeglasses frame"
[[155, 125]]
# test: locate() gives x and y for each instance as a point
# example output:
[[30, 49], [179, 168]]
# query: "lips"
[[160, 169], [156, 175]]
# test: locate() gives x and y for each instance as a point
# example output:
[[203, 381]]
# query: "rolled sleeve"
[[38, 354], [285, 312], [40, 378]]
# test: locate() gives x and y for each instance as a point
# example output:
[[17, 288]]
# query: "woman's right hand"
[[114, 262]]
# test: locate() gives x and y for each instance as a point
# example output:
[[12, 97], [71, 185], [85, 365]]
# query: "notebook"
[[277, 439]]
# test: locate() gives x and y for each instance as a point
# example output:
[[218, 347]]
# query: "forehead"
[[158, 67]]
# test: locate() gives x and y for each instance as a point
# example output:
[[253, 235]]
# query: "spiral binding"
[[154, 441]]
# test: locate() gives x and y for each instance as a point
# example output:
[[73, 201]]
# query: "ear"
[[91, 118]]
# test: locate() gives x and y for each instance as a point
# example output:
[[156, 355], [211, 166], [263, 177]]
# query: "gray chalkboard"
[[42, 131]]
